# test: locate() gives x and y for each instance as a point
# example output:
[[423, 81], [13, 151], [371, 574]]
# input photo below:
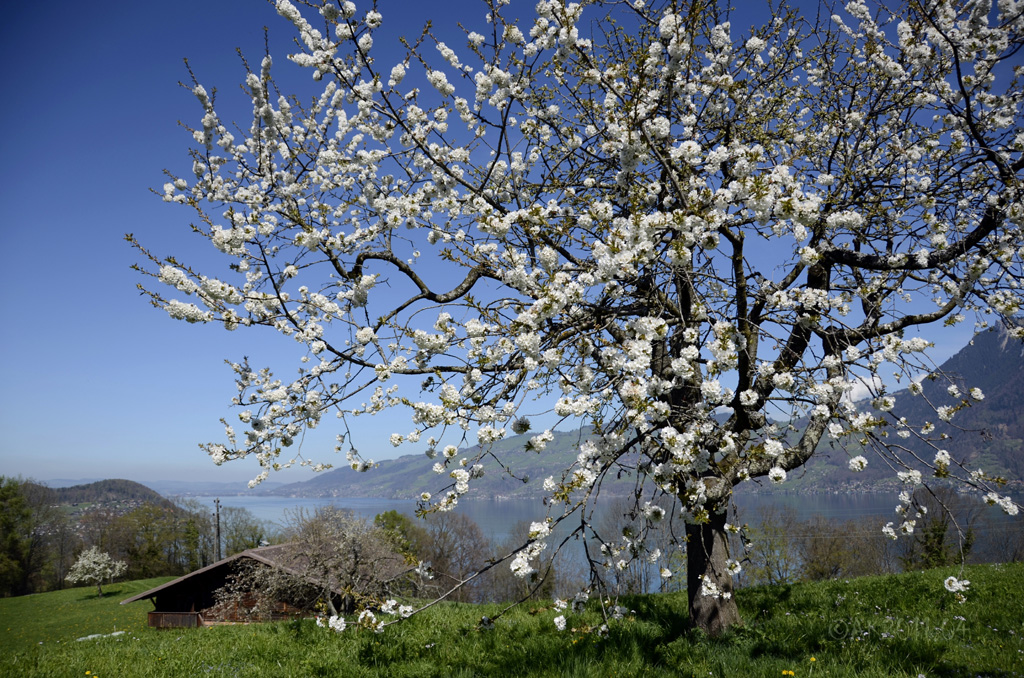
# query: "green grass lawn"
[[62, 616], [904, 625]]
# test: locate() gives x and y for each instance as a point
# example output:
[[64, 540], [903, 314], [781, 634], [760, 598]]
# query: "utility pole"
[[216, 503]]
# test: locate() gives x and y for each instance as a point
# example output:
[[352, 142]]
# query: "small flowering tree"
[[332, 560], [96, 566], [695, 236]]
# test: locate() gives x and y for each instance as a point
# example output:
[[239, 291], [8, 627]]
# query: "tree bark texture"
[[707, 548]]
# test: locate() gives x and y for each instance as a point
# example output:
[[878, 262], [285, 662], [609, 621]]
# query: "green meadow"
[[899, 625]]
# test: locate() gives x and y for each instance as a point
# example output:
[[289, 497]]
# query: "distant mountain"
[[988, 435], [194, 488], [116, 496], [68, 482], [991, 432], [410, 475], [173, 488], [105, 492]]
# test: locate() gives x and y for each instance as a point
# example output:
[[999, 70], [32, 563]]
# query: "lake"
[[496, 517]]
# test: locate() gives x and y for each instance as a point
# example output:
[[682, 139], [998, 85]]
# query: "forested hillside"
[[43, 530], [986, 434], [107, 491]]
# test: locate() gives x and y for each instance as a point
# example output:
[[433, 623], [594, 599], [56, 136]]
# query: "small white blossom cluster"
[[957, 587], [521, 565], [954, 585], [1007, 504], [905, 509], [911, 477], [710, 589], [366, 618], [334, 623]]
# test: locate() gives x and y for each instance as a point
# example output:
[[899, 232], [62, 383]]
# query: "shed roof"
[[281, 556]]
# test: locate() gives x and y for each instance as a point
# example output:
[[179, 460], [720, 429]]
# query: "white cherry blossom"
[[712, 245]]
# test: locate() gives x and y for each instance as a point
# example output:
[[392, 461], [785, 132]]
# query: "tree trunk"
[[707, 548]]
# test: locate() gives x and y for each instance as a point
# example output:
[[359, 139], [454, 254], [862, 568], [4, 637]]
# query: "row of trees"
[[341, 563], [951, 529], [40, 540], [439, 557], [37, 541]]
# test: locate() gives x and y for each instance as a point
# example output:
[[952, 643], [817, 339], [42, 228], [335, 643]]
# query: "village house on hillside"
[[192, 600]]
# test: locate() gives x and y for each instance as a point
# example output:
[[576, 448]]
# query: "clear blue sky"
[[95, 382]]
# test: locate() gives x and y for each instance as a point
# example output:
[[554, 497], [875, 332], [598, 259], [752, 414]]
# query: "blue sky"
[[95, 382]]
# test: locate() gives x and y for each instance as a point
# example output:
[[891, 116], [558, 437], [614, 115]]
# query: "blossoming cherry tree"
[[694, 236]]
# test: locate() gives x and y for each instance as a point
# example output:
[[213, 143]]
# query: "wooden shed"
[[190, 601]]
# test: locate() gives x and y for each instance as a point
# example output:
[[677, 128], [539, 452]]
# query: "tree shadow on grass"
[[531, 644], [108, 593]]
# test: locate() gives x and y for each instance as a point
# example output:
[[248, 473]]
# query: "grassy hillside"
[[59, 617], [901, 626]]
